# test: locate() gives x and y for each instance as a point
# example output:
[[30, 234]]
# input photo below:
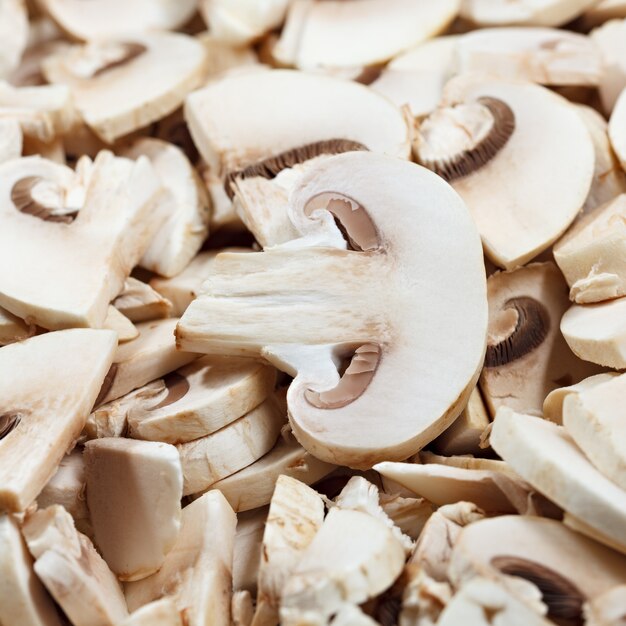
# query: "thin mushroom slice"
[[611, 40], [353, 34], [141, 303], [13, 34], [120, 324], [543, 454], [336, 418], [608, 609], [527, 357], [54, 373], [76, 576], [13, 328], [483, 131], [185, 203], [120, 85], [23, 599], [617, 128], [162, 612], [197, 570]]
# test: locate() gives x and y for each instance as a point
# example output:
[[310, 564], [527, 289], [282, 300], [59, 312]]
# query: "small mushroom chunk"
[[13, 328], [545, 455], [230, 449], [361, 303], [485, 129], [120, 324], [122, 84], [611, 39], [423, 598], [185, 203], [133, 492], [161, 612], [409, 514], [339, 34], [23, 599], [247, 554], [11, 140], [608, 609], [141, 303], [223, 56], [76, 576], [197, 570], [617, 128], [242, 609], [55, 374], [527, 357], [13, 34]]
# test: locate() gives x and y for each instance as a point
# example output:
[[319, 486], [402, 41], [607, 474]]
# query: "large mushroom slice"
[[120, 85], [13, 34], [399, 302], [13, 328], [141, 303], [133, 492], [55, 374], [617, 128], [198, 570], [483, 131], [93, 233], [352, 34], [543, 454], [527, 357], [162, 612], [185, 203], [611, 39]]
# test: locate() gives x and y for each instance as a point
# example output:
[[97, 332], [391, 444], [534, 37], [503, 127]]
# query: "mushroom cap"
[[611, 39], [120, 85], [617, 128], [13, 34]]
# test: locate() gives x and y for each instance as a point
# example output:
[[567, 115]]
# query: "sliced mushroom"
[[611, 39], [543, 454], [423, 598], [527, 357], [23, 600], [161, 612], [224, 57], [603, 11], [469, 462], [13, 34], [54, 373], [483, 131], [120, 85], [185, 203], [141, 303], [336, 418], [120, 324], [608, 609], [247, 555], [197, 570], [76, 576], [580, 526], [409, 514], [13, 328], [242, 609], [11, 140], [617, 128]]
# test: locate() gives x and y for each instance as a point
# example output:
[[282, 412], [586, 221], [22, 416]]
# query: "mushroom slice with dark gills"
[[407, 310], [484, 139], [527, 357]]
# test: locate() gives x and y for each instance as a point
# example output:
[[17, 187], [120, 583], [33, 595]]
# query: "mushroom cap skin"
[[120, 85], [611, 39], [297, 108], [355, 33], [58, 373], [549, 187], [543, 454], [13, 34], [403, 322], [141, 303], [617, 128]]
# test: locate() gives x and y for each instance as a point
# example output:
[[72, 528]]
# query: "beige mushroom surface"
[[13, 34], [617, 128], [611, 41]]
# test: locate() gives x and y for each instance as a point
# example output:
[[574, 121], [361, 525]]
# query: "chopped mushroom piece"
[[423, 598], [224, 57], [611, 39], [13, 328], [141, 303], [197, 571], [56, 374], [13, 34], [607, 609], [603, 11], [580, 526], [398, 219], [242, 609], [617, 128], [120, 324], [409, 514], [120, 85], [133, 492], [161, 612], [10, 140], [484, 136], [74, 573], [247, 554]]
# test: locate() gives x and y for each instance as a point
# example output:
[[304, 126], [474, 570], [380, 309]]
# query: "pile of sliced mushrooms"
[[312, 312]]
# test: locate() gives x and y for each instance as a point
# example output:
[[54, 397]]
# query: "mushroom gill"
[[40, 198], [8, 422]]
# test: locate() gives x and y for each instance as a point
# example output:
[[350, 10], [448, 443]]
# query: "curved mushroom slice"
[[201, 398], [13, 34], [608, 609], [121, 85], [197, 570], [484, 130], [54, 373], [13, 328], [547, 56], [237, 445], [11, 140], [120, 324], [617, 128], [611, 39], [543, 454], [101, 19], [161, 612], [76, 576], [357, 302], [24, 600], [185, 203], [527, 357], [296, 108], [141, 303], [353, 34]]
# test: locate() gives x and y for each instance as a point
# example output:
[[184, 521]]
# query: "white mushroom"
[[13, 328], [617, 128], [408, 513], [141, 303], [224, 57], [603, 11], [611, 39], [11, 140], [607, 609], [120, 324], [13, 34], [423, 598], [242, 609], [161, 612], [247, 554]]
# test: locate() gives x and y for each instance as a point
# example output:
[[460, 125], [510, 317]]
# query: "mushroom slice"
[[242, 609], [527, 357], [353, 34], [144, 481], [617, 128], [107, 223], [54, 373], [547, 56], [409, 514], [11, 140], [152, 355], [119, 323], [197, 570], [120, 85], [543, 454], [336, 418], [24, 600], [76, 576], [201, 398], [608, 609], [185, 203], [141, 303], [423, 598], [13, 328], [101, 18], [297, 109], [13, 34], [247, 555], [611, 39], [483, 128], [224, 57], [161, 612], [230, 449], [603, 11]]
